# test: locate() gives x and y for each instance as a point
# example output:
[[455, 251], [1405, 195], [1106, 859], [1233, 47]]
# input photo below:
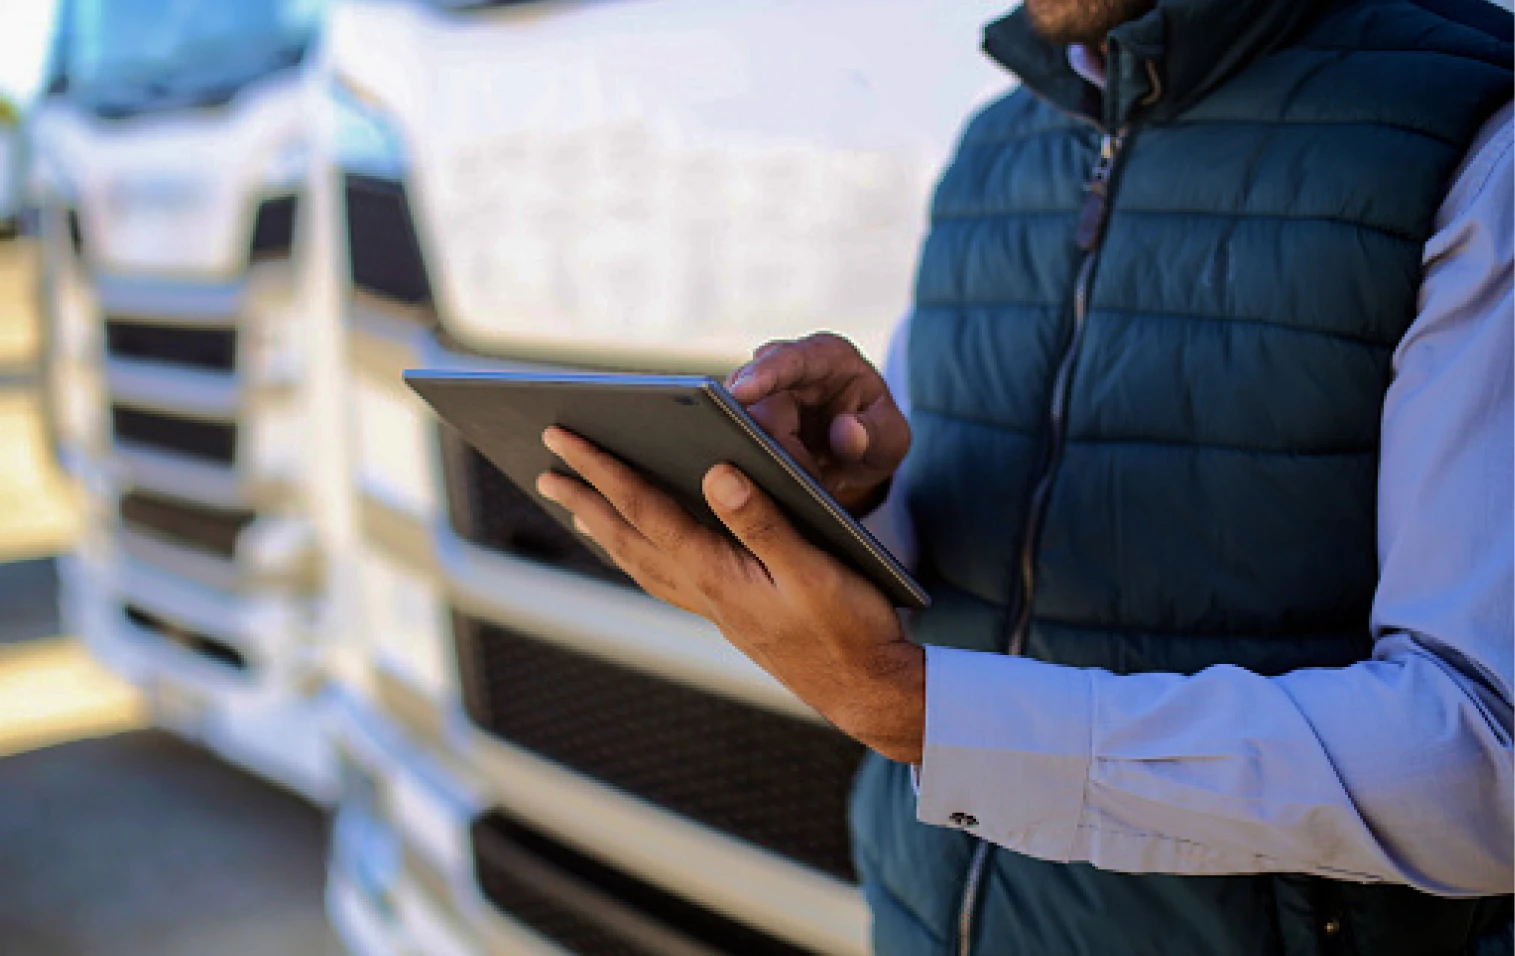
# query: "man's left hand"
[[821, 629]]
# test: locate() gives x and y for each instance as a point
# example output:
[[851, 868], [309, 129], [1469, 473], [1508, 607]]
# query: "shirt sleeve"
[[1395, 769]]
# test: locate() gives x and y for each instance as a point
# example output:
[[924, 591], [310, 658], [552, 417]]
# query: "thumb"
[[849, 437], [875, 437], [755, 520]]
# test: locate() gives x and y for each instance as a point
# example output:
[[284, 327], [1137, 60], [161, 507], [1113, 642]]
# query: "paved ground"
[[139, 845], [27, 594], [114, 840]]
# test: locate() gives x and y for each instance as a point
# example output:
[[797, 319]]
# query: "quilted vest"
[[1152, 335]]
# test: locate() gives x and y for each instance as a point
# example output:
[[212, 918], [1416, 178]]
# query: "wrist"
[[886, 710]]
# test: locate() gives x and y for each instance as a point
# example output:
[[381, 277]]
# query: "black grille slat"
[[201, 644], [75, 232], [508, 853], [383, 249], [775, 781], [210, 441], [487, 509], [273, 234], [208, 529], [212, 349]]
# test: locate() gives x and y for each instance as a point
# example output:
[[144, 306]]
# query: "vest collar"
[[1157, 64]]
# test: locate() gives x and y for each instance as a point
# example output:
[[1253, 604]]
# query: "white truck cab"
[[190, 291], [549, 760]]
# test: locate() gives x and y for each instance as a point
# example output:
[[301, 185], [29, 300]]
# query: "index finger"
[[816, 366], [657, 517]]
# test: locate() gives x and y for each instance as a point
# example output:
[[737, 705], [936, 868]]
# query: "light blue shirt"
[[1394, 769]]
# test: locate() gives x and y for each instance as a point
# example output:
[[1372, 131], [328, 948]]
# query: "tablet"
[[672, 429]]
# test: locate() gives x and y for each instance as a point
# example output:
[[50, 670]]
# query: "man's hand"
[[830, 409], [823, 631]]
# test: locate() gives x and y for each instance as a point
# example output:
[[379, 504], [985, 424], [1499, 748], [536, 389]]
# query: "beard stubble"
[[1082, 21]]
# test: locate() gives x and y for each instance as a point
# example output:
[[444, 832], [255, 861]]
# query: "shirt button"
[[1333, 926], [964, 820]]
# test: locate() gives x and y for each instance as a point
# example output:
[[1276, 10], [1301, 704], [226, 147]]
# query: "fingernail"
[[729, 488], [553, 440], [580, 526], [546, 486]]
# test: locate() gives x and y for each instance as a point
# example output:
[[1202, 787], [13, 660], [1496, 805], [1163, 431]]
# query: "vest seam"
[[1347, 337], [1277, 633], [939, 217], [1097, 440], [918, 408], [1389, 231], [1469, 58], [1417, 8], [1223, 448], [1311, 124], [1180, 122], [946, 304]]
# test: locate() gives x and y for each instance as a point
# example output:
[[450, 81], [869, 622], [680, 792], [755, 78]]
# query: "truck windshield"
[[112, 41]]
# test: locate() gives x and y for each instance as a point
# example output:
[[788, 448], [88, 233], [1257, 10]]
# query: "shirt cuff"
[[1007, 749]]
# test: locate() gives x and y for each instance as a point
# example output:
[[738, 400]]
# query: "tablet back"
[[671, 429]]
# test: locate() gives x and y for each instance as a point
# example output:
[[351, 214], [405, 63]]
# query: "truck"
[[190, 295], [539, 757]]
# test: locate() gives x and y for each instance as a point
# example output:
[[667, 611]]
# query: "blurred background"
[[285, 668], [115, 837]]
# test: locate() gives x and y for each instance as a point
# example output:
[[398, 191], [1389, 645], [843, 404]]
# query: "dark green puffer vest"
[[1178, 467]]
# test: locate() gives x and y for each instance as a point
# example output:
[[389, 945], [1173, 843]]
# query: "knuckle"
[[653, 581], [633, 507], [833, 343], [825, 585], [613, 537], [763, 529], [708, 581], [673, 539]]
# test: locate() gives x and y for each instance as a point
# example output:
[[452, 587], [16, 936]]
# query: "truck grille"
[[779, 782], [273, 235], [561, 893], [197, 526], [382, 246], [208, 647], [211, 441], [213, 349], [487, 509]]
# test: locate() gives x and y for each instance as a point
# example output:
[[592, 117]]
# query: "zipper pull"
[[1091, 218]]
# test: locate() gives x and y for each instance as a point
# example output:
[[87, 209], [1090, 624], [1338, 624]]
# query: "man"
[[1208, 382]]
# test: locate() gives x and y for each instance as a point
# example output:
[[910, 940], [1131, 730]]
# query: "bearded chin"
[[1082, 21]]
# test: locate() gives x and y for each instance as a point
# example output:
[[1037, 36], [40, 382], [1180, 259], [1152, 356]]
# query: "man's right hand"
[[830, 409]]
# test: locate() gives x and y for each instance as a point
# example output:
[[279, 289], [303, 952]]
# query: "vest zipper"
[[965, 915], [1090, 232]]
